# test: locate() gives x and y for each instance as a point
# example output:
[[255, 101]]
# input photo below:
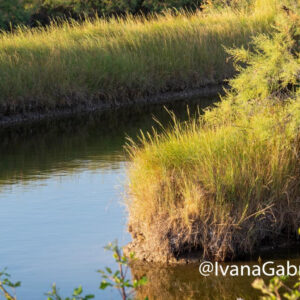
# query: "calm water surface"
[[61, 190]]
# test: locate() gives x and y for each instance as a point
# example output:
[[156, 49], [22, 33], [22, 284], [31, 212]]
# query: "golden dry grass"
[[226, 182], [122, 59]]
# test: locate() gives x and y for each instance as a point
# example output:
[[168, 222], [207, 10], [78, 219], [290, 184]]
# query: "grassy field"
[[227, 182], [119, 60]]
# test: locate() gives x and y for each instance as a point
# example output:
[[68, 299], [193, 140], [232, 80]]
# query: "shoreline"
[[8, 120], [143, 255]]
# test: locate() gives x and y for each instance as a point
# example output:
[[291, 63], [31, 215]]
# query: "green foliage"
[[269, 72], [7, 287], [275, 63], [6, 284], [118, 279], [77, 294], [13, 12], [277, 289]]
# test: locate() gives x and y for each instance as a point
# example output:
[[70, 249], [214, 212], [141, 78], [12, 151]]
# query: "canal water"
[[61, 196]]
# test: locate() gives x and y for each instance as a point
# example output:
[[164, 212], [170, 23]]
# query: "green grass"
[[119, 60], [226, 182]]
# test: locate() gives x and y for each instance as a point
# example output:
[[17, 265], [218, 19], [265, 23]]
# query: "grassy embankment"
[[228, 182], [121, 60], [41, 12]]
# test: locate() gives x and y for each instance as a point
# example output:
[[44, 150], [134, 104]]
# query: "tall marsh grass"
[[123, 59], [227, 182]]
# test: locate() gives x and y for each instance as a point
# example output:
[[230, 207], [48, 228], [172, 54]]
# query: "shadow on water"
[[93, 140]]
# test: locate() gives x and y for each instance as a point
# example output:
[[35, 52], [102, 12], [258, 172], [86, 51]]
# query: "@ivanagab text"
[[269, 268]]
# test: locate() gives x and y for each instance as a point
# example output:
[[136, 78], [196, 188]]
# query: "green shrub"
[[41, 12], [277, 289], [118, 280], [13, 12]]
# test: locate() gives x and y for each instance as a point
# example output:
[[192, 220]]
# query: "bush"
[[13, 12]]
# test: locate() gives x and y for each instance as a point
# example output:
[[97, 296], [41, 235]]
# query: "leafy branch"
[[7, 287], [276, 289], [118, 279], [77, 294]]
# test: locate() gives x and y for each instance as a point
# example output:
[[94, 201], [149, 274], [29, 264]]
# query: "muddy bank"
[[145, 256], [36, 114]]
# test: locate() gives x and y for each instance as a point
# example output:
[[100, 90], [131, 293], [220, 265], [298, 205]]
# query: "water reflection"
[[185, 282], [89, 141], [61, 186]]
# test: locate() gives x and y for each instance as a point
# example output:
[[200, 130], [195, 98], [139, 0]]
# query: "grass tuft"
[[227, 182]]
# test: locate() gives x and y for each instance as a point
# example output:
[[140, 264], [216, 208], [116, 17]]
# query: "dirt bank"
[[144, 256], [38, 114]]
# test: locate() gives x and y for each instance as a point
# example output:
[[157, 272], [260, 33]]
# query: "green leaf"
[[77, 291], [284, 278], [142, 281], [104, 284]]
